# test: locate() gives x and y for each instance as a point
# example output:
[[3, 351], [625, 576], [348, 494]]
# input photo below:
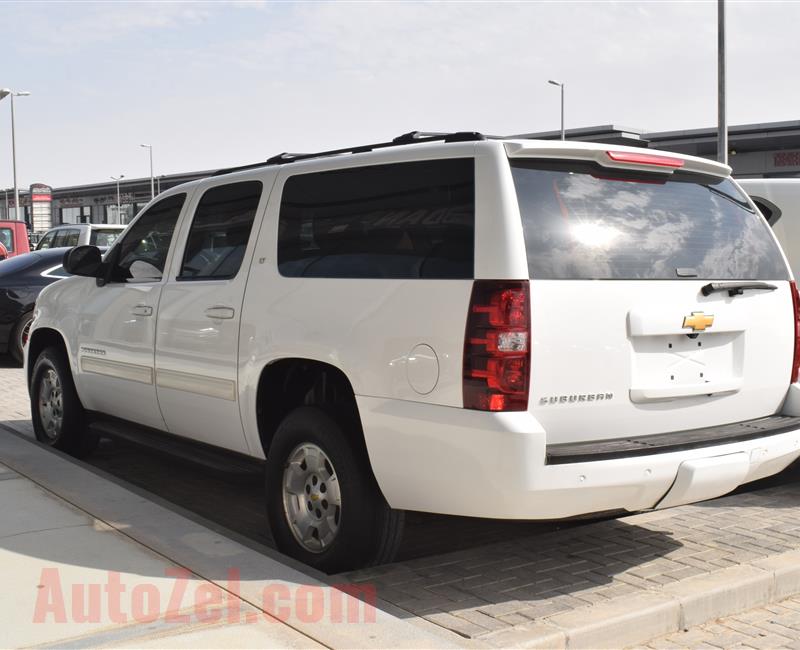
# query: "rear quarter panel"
[[368, 328]]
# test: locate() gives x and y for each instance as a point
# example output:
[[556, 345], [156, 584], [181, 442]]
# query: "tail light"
[[796, 315], [497, 346], [637, 158]]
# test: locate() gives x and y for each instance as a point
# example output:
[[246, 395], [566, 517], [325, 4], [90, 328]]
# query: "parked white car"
[[80, 234], [493, 328]]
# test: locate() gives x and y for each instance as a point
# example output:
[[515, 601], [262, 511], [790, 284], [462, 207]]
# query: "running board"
[[662, 443], [215, 458]]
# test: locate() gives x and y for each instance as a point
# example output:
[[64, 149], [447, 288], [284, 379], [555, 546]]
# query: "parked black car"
[[21, 280]]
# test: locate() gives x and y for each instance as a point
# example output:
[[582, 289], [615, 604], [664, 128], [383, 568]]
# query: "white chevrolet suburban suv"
[[456, 324]]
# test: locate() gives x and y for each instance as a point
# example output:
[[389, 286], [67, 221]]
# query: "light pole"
[[722, 124], [561, 85], [119, 208], [152, 183], [12, 94]]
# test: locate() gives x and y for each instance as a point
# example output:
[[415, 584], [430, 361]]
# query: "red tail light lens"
[[796, 314], [497, 346], [644, 159]]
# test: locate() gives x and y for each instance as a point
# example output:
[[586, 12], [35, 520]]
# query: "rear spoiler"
[[617, 157]]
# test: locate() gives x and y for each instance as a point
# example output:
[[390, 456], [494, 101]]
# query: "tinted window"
[[71, 237], [66, 237], [7, 239], [146, 243], [589, 222], [220, 231], [100, 237], [406, 220], [47, 240]]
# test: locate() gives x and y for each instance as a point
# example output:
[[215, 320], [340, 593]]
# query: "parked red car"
[[14, 238]]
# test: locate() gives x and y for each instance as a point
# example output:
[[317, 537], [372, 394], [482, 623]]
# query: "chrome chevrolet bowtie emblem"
[[698, 321]]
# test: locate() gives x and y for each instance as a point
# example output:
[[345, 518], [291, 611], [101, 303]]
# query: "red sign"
[[41, 197], [786, 159]]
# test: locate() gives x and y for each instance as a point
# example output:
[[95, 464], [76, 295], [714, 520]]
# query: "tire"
[[58, 417], [19, 337], [355, 527]]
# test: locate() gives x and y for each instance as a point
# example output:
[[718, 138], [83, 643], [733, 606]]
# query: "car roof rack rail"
[[412, 137]]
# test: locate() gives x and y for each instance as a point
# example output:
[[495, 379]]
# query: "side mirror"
[[83, 260]]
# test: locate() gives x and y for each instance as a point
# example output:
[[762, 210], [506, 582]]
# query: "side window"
[[100, 237], [404, 220], [71, 237], [59, 238], [220, 231], [142, 253], [7, 239], [47, 240]]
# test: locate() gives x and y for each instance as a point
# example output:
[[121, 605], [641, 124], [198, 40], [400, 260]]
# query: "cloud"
[[222, 83]]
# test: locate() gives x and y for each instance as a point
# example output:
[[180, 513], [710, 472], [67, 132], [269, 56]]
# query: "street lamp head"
[[148, 146], [5, 92], [554, 82]]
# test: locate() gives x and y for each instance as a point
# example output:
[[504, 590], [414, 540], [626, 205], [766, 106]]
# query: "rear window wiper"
[[735, 288]]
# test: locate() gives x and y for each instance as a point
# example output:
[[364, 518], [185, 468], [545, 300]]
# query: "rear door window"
[[583, 221], [403, 220], [66, 237], [71, 237], [220, 231], [103, 237]]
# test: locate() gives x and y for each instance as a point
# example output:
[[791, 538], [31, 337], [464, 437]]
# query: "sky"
[[215, 84]]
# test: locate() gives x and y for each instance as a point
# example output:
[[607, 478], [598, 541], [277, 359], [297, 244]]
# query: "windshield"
[[583, 221]]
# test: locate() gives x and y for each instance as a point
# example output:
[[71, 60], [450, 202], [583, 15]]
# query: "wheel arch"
[[288, 383], [41, 338]]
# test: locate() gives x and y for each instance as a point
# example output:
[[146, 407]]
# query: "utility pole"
[[152, 184], [561, 85], [119, 207], [7, 92], [722, 134]]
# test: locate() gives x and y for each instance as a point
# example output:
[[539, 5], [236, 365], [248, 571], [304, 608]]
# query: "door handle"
[[218, 311], [142, 310]]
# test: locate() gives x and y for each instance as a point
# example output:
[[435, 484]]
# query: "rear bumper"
[[471, 463]]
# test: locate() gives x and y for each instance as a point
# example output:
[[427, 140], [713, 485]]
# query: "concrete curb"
[[638, 619], [208, 553]]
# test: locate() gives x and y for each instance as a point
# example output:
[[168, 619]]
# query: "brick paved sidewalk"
[[510, 593], [776, 627]]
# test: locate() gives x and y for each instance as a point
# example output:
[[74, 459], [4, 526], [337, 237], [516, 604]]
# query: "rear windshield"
[[103, 236], [583, 221]]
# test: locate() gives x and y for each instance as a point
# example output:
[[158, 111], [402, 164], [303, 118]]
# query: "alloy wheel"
[[312, 500]]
